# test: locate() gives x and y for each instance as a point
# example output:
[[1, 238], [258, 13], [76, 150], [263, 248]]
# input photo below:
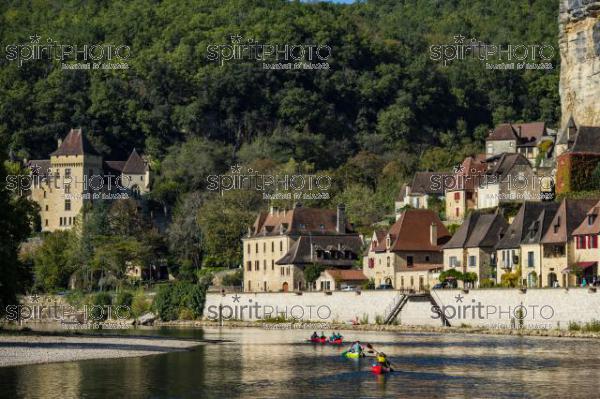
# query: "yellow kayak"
[[353, 355]]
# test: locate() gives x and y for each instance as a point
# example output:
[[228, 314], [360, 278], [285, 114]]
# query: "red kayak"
[[336, 342], [379, 369], [318, 340]]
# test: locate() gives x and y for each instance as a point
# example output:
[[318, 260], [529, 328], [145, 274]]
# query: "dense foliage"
[[382, 110]]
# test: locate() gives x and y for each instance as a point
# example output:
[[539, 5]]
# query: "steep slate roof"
[[587, 139], [411, 232], [568, 217], [506, 162], [585, 227], [522, 132], [538, 227], [518, 229], [299, 220], [39, 167], [135, 165], [478, 230], [346, 275], [75, 144], [114, 166], [301, 254], [428, 183]]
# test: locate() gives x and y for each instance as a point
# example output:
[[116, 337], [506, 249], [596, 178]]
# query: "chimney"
[[340, 225], [433, 238], [59, 141], [520, 133]]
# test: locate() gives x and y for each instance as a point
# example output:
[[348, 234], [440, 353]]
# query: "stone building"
[[282, 242], [471, 248], [76, 174], [409, 254], [461, 189]]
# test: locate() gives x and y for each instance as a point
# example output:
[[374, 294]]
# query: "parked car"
[[444, 284], [385, 287], [348, 288]]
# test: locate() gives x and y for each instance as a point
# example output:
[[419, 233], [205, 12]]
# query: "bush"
[[75, 298], [140, 304], [487, 283], [233, 279], [98, 303], [124, 298], [172, 299]]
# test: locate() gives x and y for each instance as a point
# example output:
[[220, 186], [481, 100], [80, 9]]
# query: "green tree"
[[53, 261]]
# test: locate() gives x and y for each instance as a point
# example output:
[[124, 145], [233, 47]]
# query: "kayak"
[[353, 355], [379, 369], [336, 342], [318, 340]]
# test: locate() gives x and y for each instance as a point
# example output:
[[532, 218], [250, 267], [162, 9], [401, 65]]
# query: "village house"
[[282, 242], [578, 154], [409, 254], [461, 189], [339, 279], [75, 174], [417, 194], [509, 178], [558, 248], [532, 249], [472, 247], [508, 250], [523, 138], [585, 237]]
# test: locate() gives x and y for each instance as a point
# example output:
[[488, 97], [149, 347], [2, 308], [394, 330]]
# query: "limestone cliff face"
[[579, 44]]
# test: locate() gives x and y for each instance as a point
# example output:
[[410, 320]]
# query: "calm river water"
[[278, 364]]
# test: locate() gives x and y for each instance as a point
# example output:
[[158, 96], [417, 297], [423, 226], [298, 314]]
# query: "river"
[[258, 363]]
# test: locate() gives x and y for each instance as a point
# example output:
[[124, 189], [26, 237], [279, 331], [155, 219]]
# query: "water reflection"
[[280, 364]]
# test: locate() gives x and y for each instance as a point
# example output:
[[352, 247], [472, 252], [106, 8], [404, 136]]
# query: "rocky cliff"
[[579, 43]]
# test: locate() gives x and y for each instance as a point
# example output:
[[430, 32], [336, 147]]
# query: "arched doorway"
[[388, 281], [285, 287], [552, 279], [532, 279]]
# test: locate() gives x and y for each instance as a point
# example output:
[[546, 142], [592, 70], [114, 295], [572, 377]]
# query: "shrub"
[[98, 303], [171, 299], [487, 283], [124, 298], [140, 304], [233, 279], [75, 298], [574, 326]]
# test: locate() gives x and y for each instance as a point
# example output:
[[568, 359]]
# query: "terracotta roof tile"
[[346, 275]]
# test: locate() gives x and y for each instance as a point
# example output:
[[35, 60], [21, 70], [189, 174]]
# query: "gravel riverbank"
[[25, 349]]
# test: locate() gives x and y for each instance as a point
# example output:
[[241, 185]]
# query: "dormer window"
[[388, 242], [591, 219]]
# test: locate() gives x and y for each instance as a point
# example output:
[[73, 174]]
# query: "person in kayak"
[[314, 335], [383, 361], [356, 348], [323, 335]]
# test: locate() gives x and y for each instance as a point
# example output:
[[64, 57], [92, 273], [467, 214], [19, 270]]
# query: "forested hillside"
[[382, 110]]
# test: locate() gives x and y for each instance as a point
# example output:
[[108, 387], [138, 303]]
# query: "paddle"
[[371, 350]]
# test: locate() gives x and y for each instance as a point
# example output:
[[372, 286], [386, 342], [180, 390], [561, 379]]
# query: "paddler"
[[356, 348], [314, 335]]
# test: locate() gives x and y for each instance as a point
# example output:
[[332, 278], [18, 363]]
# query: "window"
[[141, 178], [272, 264], [67, 189], [456, 196], [67, 173], [591, 219], [402, 282], [265, 265], [426, 258], [249, 285], [457, 212], [287, 270], [371, 263], [472, 261], [412, 281], [272, 246], [453, 261], [388, 261], [280, 246], [282, 271], [264, 286], [409, 261], [248, 248], [530, 259], [249, 266], [44, 194], [256, 265], [61, 221], [256, 247], [46, 222], [594, 241], [46, 208], [265, 247], [68, 205]]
